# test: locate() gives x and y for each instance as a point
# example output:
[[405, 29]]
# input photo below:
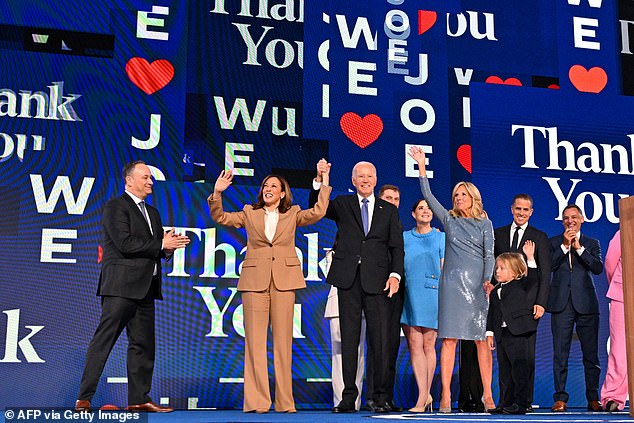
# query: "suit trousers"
[[394, 344], [615, 384], [513, 354], [376, 307], [532, 351], [137, 317], [337, 374], [471, 390], [259, 308], [587, 326]]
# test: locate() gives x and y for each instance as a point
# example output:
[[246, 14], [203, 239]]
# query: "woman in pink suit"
[[271, 272], [614, 389]]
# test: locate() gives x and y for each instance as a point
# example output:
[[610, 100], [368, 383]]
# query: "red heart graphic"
[[150, 77], [464, 156], [509, 81], [361, 131], [426, 19], [588, 81]]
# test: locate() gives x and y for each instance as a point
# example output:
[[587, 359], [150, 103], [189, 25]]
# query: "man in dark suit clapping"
[[133, 244], [573, 301], [366, 269]]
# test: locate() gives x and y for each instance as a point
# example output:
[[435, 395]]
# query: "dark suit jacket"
[[379, 253], [575, 283], [515, 307], [539, 292], [130, 251]]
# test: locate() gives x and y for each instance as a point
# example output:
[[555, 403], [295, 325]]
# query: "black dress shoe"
[[393, 407], [344, 407], [529, 409], [376, 407], [514, 409], [496, 410], [467, 407]]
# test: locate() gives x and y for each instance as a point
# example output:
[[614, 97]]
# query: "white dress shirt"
[[137, 201], [270, 223], [371, 202], [520, 235]]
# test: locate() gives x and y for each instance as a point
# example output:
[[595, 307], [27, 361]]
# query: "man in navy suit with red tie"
[[134, 243], [572, 301], [366, 269]]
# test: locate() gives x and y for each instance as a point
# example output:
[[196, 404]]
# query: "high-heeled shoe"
[[444, 410], [487, 407], [428, 405]]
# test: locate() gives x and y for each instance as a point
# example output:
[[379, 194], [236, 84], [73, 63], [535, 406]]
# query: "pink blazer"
[[613, 269], [276, 259]]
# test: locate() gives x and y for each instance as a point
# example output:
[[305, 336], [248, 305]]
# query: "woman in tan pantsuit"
[[271, 272]]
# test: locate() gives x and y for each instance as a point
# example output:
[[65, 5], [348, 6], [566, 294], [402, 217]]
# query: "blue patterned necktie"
[[365, 218]]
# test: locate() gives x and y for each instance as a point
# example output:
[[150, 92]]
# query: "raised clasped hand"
[[323, 172], [323, 167]]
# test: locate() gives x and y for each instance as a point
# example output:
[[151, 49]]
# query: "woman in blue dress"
[[424, 255], [465, 285]]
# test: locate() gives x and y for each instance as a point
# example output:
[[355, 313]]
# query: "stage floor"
[[325, 416]]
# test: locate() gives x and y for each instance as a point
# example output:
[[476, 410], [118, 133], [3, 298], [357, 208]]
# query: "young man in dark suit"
[[573, 302], [366, 269], [133, 244], [511, 238]]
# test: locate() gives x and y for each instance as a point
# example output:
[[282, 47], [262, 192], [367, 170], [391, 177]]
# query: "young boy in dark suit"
[[511, 322]]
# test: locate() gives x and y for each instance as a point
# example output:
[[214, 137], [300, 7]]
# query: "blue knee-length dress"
[[423, 253]]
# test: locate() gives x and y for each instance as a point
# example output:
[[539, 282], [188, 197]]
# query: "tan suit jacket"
[[277, 258]]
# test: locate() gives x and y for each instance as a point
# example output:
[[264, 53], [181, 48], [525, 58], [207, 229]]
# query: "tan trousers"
[[258, 309]]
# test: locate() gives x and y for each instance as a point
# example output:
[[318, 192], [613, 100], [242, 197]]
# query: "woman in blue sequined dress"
[[424, 255], [465, 282]]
